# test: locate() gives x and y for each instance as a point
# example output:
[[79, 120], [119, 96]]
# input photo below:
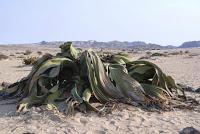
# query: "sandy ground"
[[126, 119]]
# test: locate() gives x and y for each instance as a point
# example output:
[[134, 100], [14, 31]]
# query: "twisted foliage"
[[72, 80]]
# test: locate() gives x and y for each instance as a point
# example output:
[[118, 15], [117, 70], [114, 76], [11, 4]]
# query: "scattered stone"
[[189, 130], [197, 90], [83, 121], [186, 87]]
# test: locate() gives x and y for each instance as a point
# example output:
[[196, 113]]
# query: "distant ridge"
[[190, 44], [137, 45]]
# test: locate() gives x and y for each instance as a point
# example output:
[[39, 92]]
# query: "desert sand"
[[184, 68]]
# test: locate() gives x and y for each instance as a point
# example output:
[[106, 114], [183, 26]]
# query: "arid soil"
[[184, 67]]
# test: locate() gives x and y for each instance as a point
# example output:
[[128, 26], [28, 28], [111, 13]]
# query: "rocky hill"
[[190, 44], [137, 45]]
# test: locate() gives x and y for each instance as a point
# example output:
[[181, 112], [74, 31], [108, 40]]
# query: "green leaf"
[[127, 86], [75, 94]]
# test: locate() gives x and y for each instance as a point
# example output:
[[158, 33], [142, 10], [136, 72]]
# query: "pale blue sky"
[[166, 22]]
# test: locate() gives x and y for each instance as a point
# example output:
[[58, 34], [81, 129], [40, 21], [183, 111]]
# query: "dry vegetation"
[[30, 60], [39, 52], [2, 56], [150, 55], [27, 52]]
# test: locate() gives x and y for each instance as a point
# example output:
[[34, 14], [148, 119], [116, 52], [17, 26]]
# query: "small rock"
[[197, 90], [83, 121], [189, 130], [101, 132], [161, 131], [186, 87], [112, 122]]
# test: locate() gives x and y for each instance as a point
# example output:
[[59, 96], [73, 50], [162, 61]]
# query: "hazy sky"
[[167, 22]]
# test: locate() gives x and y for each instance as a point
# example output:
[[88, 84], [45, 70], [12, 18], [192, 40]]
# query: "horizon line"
[[32, 43]]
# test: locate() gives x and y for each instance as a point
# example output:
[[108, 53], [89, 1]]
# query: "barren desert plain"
[[184, 67]]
